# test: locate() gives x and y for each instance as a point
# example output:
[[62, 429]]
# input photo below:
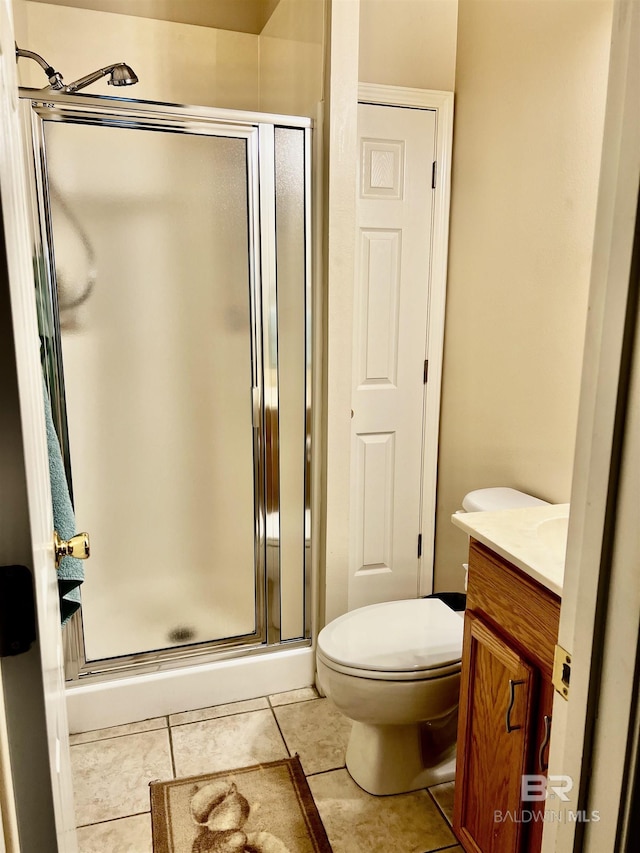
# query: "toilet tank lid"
[[489, 500]]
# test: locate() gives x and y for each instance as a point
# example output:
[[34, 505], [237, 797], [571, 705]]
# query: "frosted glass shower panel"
[[293, 373], [152, 242]]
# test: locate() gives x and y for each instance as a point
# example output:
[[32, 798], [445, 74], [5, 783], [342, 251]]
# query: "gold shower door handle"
[[77, 546]]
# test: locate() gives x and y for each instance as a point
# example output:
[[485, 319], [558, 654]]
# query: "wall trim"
[[442, 103]]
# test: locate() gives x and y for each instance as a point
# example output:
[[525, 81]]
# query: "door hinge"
[[425, 374], [561, 671], [434, 174], [419, 544]]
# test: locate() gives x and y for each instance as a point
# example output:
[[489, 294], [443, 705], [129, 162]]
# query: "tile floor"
[[113, 767]]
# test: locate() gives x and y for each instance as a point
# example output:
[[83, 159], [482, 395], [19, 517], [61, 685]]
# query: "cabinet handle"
[[542, 764], [512, 699]]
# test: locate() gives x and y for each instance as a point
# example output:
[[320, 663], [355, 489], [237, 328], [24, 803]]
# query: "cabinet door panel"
[[541, 735], [496, 699]]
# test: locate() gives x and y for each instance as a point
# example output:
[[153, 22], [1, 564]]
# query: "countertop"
[[533, 538]]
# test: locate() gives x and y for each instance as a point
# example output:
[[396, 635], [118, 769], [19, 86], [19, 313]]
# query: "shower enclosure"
[[172, 275]]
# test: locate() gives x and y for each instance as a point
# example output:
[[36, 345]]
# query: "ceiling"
[[245, 16]]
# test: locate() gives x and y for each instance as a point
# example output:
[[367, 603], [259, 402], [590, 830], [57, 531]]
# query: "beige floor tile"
[[317, 731], [355, 821], [126, 835], [217, 711], [111, 777], [443, 795], [301, 695], [118, 731], [226, 743]]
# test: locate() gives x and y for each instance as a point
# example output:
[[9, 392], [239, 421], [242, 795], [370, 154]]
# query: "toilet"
[[394, 669]]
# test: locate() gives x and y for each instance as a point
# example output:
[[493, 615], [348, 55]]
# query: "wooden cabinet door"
[[494, 730], [541, 735]]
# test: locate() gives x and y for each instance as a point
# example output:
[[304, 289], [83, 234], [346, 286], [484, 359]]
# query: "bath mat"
[[267, 808]]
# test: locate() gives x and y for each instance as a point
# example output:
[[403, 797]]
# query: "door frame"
[[258, 131], [442, 104], [593, 739], [33, 694], [100, 111]]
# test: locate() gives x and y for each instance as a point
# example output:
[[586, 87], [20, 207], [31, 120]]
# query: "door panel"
[[394, 217], [158, 370], [496, 703]]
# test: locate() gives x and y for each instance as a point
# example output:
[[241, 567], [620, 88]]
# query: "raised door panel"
[[494, 731]]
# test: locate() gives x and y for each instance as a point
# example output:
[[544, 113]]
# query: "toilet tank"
[[489, 500]]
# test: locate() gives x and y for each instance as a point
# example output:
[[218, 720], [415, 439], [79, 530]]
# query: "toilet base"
[[397, 759]]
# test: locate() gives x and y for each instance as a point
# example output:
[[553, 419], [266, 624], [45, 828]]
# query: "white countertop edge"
[[513, 534]]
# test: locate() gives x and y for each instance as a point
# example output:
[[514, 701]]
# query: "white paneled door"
[[395, 206]]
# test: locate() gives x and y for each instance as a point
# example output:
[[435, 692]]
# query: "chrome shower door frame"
[[257, 130]]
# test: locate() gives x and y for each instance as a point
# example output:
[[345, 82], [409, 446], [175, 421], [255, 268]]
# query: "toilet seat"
[[416, 639]]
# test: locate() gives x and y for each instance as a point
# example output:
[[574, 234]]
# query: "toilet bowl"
[[394, 669]]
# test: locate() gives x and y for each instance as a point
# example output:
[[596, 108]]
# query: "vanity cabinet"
[[511, 628]]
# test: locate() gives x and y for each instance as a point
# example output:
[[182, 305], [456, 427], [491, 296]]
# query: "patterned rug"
[[267, 808]]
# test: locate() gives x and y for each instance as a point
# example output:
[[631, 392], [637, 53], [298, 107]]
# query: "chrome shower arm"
[[55, 78]]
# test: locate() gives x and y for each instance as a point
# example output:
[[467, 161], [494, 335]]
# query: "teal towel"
[[70, 570]]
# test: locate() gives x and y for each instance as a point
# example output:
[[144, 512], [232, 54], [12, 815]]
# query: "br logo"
[[535, 786]]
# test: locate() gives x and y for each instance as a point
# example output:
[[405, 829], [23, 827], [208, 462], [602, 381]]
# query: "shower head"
[[120, 74]]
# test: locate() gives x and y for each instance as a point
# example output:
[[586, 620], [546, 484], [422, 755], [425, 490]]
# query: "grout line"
[[219, 717], [173, 760], [286, 745], [115, 737], [448, 847], [293, 702], [112, 819], [328, 770], [439, 807]]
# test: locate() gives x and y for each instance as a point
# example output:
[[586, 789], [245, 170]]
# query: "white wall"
[[339, 210], [530, 93]]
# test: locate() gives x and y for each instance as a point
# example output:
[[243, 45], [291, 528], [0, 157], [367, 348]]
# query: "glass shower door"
[[157, 301]]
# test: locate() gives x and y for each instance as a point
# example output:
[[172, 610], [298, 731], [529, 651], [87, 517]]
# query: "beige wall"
[[291, 58], [530, 81], [530, 93], [408, 43], [176, 63], [278, 71], [19, 11]]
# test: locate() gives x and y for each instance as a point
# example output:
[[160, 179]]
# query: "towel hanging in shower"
[[70, 570]]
